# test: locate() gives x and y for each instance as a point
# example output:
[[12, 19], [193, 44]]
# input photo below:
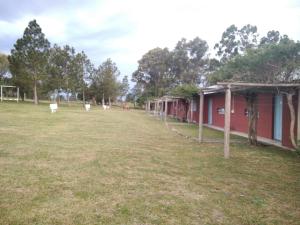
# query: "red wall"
[[265, 116], [182, 110], [239, 121], [195, 114]]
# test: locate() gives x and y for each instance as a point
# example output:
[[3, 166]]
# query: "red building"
[[274, 116]]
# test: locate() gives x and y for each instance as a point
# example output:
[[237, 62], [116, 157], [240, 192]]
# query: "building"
[[274, 115]]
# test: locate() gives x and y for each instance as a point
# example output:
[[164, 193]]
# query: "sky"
[[124, 30]]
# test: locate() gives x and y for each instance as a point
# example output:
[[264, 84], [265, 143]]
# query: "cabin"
[[224, 107]]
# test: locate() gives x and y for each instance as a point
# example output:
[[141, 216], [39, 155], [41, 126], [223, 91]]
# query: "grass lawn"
[[125, 167]]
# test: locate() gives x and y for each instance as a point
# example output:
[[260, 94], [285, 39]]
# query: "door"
[[209, 111], [278, 118]]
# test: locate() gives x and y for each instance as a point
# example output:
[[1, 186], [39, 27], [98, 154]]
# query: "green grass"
[[125, 167]]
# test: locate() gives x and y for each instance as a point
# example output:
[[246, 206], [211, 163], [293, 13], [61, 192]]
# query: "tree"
[[104, 85], [188, 62], [81, 71], [124, 87], [273, 37], [28, 59], [61, 69], [4, 65], [153, 72], [236, 41]]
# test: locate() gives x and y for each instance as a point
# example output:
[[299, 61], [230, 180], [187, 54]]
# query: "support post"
[[298, 117], [227, 123], [166, 109], [1, 94], [201, 103], [176, 109], [191, 113], [161, 109]]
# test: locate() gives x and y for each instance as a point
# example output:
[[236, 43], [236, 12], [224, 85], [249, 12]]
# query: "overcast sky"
[[124, 30]]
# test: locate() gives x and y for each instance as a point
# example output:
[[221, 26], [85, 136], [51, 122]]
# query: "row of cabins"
[[274, 116]]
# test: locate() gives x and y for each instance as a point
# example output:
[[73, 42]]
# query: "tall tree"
[[82, 71], [124, 87], [4, 65], [236, 41], [153, 72], [104, 84], [188, 60], [28, 59], [60, 69]]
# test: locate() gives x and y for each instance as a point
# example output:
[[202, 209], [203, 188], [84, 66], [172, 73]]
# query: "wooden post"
[[201, 103], [298, 117], [192, 106], [161, 109], [166, 109], [176, 109], [227, 122]]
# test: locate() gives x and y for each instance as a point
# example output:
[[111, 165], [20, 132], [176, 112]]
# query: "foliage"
[[271, 63], [153, 71], [29, 57], [104, 83], [160, 70], [186, 91], [236, 41], [60, 69], [187, 61], [124, 87]]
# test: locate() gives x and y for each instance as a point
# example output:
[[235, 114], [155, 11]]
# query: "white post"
[[227, 122], [18, 93], [201, 101]]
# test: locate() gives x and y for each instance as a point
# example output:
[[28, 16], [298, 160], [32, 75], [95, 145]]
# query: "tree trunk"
[[58, 98], [94, 100], [36, 101], [289, 97], [251, 100], [83, 98], [68, 99], [109, 103], [103, 99]]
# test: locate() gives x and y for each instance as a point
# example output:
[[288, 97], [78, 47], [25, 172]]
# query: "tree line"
[[40, 69], [240, 55]]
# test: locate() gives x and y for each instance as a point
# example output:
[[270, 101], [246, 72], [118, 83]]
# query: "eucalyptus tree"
[[153, 73], [236, 41], [28, 60], [188, 61]]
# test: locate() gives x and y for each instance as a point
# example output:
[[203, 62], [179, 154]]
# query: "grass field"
[[125, 167]]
